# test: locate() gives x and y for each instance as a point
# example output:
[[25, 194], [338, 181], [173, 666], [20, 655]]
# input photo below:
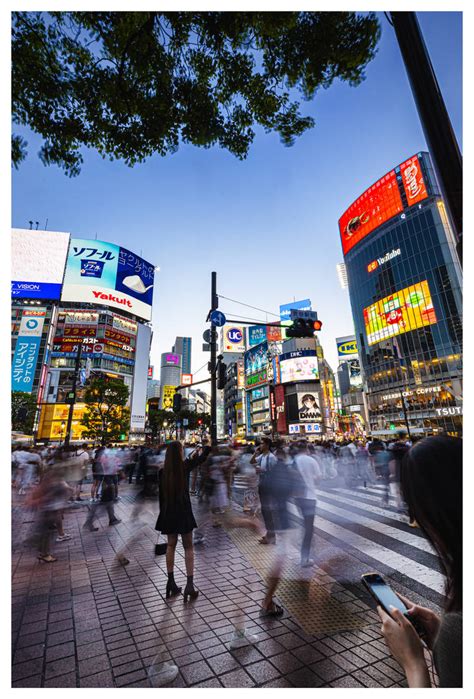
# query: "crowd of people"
[[273, 483]]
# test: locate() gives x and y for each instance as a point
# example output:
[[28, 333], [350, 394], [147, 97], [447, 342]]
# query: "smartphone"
[[382, 593], [386, 597]]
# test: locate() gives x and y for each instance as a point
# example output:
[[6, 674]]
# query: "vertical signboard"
[[27, 349], [140, 378], [167, 393], [280, 409], [256, 334]]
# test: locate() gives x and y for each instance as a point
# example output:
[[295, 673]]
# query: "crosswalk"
[[357, 521]]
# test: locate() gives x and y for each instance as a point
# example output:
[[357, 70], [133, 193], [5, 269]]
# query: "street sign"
[[185, 422], [307, 315], [206, 347], [178, 424], [218, 318], [206, 336]]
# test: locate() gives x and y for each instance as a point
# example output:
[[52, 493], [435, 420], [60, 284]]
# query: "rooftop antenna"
[[37, 224], [96, 236], [46, 224], [31, 224]]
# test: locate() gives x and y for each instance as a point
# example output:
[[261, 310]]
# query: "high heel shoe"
[[190, 592], [172, 589]]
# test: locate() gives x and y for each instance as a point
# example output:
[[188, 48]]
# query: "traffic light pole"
[[77, 367], [435, 121], [213, 362]]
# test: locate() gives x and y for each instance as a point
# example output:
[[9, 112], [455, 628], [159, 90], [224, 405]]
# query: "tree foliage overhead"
[[106, 416], [23, 411], [131, 84]]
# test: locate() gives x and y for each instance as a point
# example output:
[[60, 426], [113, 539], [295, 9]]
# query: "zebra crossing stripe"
[[388, 514], [394, 533]]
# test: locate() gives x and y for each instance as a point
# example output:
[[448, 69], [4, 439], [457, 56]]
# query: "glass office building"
[[406, 296]]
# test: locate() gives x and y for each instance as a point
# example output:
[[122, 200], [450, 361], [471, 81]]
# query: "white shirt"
[[310, 471], [266, 461]]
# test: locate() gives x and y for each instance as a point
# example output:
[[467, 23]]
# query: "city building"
[[406, 296], [80, 308], [183, 346], [234, 400], [352, 413], [342, 275], [153, 389], [170, 377]]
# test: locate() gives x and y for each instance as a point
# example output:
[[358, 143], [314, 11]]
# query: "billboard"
[[233, 338], [405, 310], [377, 204], [280, 409], [38, 259], [285, 310], [346, 347], [140, 378], [167, 393], [413, 182], [301, 365], [256, 364], [107, 274], [186, 379], [172, 359], [273, 333], [308, 407], [240, 374], [355, 376], [27, 349], [256, 334], [383, 200]]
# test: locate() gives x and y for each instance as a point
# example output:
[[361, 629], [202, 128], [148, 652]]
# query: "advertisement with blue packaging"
[[104, 273]]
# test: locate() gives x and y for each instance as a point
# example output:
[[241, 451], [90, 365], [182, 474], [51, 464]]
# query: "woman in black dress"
[[176, 516]]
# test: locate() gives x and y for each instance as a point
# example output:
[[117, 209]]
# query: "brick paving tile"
[[212, 651], [31, 667], [31, 639], [365, 679], [93, 665], [29, 653], [286, 662], [126, 680], [378, 676], [29, 682], [327, 670], [188, 658], [123, 658], [60, 667], [263, 671], [364, 654], [353, 658], [58, 652], [223, 663], [344, 663], [346, 682], [63, 681], [53, 639], [247, 655], [279, 682], [122, 650], [127, 668], [237, 678], [196, 672], [88, 636], [304, 678], [307, 654], [101, 679], [208, 683], [270, 647], [389, 671]]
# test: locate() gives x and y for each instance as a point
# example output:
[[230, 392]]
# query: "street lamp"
[[165, 425], [63, 425]]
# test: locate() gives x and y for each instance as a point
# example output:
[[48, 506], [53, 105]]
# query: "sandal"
[[47, 559], [274, 610]]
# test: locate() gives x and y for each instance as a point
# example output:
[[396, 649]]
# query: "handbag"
[[160, 549]]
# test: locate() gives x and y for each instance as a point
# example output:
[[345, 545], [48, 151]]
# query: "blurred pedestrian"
[[310, 472], [265, 461]]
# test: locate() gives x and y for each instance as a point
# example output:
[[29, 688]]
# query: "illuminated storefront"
[[406, 296]]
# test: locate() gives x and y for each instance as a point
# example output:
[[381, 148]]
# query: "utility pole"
[[72, 399], [213, 363], [435, 121]]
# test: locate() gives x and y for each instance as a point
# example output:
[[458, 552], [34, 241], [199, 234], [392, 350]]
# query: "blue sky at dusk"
[[266, 225]]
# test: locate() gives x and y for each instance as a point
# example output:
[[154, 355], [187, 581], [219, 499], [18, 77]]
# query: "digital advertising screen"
[[256, 362], [308, 407], [406, 310], [299, 366], [377, 204], [107, 274], [38, 259], [413, 182]]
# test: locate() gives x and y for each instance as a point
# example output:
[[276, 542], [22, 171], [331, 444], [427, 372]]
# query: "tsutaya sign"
[[382, 260], [447, 412], [418, 391]]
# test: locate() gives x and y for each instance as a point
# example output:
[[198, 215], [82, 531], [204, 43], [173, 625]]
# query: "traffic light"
[[221, 375], [177, 402], [199, 422], [303, 327]]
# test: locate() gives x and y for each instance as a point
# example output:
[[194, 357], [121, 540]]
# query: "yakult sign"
[[413, 181]]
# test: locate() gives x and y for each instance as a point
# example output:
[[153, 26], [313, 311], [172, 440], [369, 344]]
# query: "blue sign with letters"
[[218, 318], [234, 335], [24, 363], [257, 334], [285, 310], [35, 290]]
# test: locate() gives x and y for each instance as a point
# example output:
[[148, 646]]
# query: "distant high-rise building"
[[153, 389], [182, 346], [170, 374], [342, 274]]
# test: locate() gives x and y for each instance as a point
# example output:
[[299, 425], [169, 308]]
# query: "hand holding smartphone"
[[386, 598]]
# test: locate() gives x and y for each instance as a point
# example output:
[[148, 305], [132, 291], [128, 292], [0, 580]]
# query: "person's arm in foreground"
[[405, 646]]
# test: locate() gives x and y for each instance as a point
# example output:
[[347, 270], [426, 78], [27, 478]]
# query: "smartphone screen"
[[383, 593]]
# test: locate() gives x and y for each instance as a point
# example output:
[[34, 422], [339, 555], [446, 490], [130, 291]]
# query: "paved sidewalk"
[[86, 621]]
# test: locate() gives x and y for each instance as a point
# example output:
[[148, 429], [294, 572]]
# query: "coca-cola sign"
[[413, 182]]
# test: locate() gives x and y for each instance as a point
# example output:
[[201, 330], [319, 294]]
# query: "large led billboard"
[[256, 365], [106, 274], [301, 365], [380, 202], [405, 310], [37, 263]]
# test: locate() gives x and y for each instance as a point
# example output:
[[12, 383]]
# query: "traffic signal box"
[[221, 375], [305, 323], [177, 398]]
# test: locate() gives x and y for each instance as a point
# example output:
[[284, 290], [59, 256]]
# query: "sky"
[[266, 225]]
